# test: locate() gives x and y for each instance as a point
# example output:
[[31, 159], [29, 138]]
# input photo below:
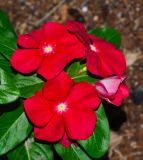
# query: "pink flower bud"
[[112, 89]]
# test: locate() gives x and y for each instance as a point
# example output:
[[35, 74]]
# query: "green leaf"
[[73, 69], [5, 22], [109, 34], [78, 72], [31, 150], [14, 128], [7, 43], [98, 143], [5, 65], [28, 85], [7, 36], [8, 90], [84, 77], [71, 153]]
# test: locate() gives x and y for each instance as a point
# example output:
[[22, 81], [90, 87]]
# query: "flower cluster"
[[64, 110]]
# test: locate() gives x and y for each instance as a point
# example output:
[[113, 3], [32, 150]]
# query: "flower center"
[[62, 107], [93, 48], [48, 49]]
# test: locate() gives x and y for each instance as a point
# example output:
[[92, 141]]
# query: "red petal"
[[79, 30], [54, 31], [74, 26], [27, 41], [125, 90], [57, 89], [38, 35], [83, 95], [39, 110], [79, 124], [108, 87], [26, 60], [117, 101], [52, 65], [107, 60], [93, 63], [53, 131], [31, 40], [65, 141], [71, 47]]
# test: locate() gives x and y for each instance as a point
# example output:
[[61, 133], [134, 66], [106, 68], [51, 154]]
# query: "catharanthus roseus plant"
[[52, 82]]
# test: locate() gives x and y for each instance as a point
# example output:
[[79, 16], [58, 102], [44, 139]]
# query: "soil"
[[127, 17]]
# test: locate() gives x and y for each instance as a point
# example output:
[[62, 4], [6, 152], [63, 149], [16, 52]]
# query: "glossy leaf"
[[71, 153], [73, 68], [97, 145], [14, 128], [78, 72], [109, 34], [31, 150], [5, 22], [7, 43], [84, 77], [7, 36], [8, 90], [28, 85], [5, 65]]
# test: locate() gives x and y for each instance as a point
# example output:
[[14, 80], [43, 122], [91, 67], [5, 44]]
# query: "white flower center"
[[48, 49], [61, 107], [93, 48]]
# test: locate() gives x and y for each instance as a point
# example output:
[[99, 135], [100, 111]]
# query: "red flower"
[[112, 89], [63, 107], [47, 50], [102, 58]]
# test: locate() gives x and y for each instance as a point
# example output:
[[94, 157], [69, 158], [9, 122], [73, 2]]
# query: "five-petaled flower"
[[63, 106], [102, 58], [112, 89], [64, 111], [48, 50]]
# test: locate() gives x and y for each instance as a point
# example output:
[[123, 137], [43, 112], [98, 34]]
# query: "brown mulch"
[[124, 15]]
